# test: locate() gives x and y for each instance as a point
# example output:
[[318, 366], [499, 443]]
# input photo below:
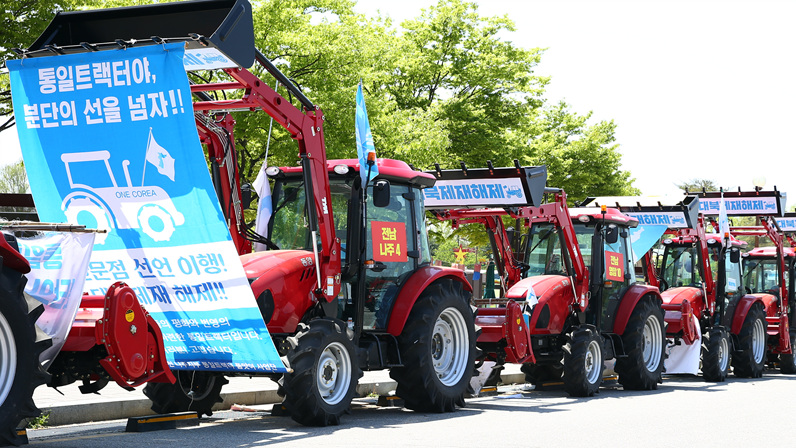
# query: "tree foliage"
[[13, 178], [445, 87], [698, 185]]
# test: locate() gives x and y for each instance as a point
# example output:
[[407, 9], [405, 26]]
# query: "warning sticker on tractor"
[[614, 266], [389, 241]]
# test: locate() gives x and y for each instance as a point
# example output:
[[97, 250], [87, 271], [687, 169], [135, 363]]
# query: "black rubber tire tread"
[[575, 382], [417, 380], [21, 311], [787, 363], [302, 397], [168, 398], [538, 374], [743, 363], [633, 373], [711, 342]]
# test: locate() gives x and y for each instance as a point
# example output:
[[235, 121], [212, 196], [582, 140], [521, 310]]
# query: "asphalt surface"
[[684, 411], [67, 405]]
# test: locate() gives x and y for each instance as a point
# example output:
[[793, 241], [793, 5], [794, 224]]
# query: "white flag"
[[158, 156], [264, 207]]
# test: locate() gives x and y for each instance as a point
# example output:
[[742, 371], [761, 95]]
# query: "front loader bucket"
[[225, 25]]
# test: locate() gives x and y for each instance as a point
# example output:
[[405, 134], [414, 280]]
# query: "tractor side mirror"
[[735, 255], [246, 195], [611, 234], [381, 193]]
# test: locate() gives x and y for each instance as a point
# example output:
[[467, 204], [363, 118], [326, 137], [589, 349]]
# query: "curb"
[[70, 414]]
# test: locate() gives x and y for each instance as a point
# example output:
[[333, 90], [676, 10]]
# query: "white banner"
[[739, 206], [58, 263], [475, 192]]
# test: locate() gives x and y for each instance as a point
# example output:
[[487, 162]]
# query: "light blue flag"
[[643, 237], [364, 139]]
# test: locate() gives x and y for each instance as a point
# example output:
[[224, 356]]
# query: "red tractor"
[[570, 299], [347, 285], [700, 275], [768, 274]]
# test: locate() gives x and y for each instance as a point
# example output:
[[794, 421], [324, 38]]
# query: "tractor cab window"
[[761, 275], [289, 228], [680, 267], [733, 286], [392, 245], [544, 255]]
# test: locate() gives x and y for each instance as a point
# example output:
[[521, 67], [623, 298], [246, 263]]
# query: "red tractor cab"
[[571, 300]]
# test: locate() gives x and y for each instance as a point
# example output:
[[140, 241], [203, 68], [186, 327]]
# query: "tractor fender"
[[414, 286], [631, 298], [742, 309]]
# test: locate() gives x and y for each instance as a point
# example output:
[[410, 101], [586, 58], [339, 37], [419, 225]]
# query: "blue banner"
[[364, 139], [109, 141]]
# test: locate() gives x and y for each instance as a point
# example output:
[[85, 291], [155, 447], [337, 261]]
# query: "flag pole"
[[146, 154]]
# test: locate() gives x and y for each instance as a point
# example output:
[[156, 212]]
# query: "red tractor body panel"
[[554, 292], [679, 304], [412, 289], [290, 276]]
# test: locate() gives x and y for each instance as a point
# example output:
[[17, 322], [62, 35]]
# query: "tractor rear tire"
[[438, 350], [21, 343], [193, 391], [749, 360], [715, 355], [644, 341], [583, 362], [325, 373], [787, 363]]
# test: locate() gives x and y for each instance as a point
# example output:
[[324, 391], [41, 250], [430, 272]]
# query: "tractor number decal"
[[389, 241], [614, 266]]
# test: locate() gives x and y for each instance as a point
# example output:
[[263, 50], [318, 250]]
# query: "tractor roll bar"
[[675, 212], [516, 186], [743, 203]]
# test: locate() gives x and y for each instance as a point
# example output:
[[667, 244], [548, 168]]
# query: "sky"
[[698, 89]]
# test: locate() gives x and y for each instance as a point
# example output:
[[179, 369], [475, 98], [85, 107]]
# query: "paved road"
[[684, 411]]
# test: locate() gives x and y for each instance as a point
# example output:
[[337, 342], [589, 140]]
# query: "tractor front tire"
[[21, 343], [583, 362], [193, 391], [715, 355], [787, 362], [325, 373], [438, 350], [748, 361], [644, 340]]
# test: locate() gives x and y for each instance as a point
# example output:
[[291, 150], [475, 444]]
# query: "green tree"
[[13, 178], [582, 159], [695, 185], [451, 65]]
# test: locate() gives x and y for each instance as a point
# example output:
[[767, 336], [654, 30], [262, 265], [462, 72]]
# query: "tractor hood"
[[676, 296], [282, 282], [543, 286]]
